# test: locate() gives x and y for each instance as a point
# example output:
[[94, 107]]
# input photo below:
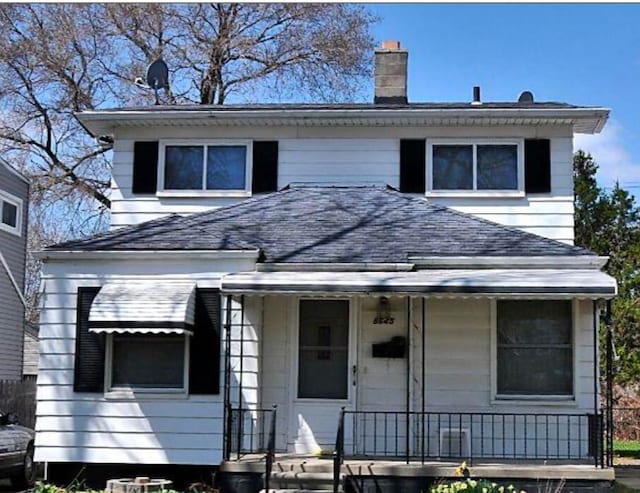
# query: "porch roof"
[[540, 283], [331, 225]]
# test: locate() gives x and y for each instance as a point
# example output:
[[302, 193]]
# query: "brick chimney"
[[390, 74]]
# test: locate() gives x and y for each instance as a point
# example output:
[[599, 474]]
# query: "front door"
[[323, 381]]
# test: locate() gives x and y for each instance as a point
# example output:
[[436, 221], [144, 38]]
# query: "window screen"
[[148, 362], [534, 352], [323, 356], [226, 167], [452, 167], [183, 167], [497, 167]]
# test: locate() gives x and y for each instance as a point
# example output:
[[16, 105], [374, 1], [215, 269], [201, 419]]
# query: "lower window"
[[148, 362], [534, 348]]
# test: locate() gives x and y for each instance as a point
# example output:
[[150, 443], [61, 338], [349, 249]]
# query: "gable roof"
[[331, 225]]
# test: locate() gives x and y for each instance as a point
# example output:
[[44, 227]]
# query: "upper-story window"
[[460, 167], [203, 168], [10, 213]]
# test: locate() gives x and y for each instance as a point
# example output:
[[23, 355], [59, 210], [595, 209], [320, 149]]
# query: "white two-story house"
[[398, 278]]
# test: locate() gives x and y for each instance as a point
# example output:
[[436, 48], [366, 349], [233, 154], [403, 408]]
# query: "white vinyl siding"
[[549, 215], [91, 427], [355, 156]]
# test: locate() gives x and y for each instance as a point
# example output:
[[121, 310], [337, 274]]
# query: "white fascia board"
[[557, 262], [99, 122], [70, 255], [334, 267]]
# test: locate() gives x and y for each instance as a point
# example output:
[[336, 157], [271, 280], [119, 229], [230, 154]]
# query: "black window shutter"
[[88, 373], [265, 166], [412, 166], [145, 167], [204, 371], [537, 166]]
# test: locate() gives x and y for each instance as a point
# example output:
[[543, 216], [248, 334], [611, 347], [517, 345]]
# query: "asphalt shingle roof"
[[230, 108], [331, 224]]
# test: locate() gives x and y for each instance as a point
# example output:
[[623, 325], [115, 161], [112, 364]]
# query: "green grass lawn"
[[627, 448]]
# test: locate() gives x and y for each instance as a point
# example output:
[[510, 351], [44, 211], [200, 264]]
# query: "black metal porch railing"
[[249, 431], [271, 449], [469, 436], [338, 458]]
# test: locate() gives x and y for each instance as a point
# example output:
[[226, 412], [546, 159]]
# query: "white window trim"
[[534, 400], [519, 192], [135, 392], [246, 192], [15, 201]]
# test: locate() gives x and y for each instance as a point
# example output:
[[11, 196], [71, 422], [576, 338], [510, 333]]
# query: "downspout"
[[597, 422], [13, 280], [609, 387]]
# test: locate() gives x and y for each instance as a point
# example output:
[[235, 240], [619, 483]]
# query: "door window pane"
[[452, 167], [148, 362], [535, 351], [183, 167], [226, 167], [323, 357], [9, 214], [497, 167]]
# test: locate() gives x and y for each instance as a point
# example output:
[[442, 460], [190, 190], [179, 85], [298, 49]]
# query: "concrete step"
[[290, 490], [303, 480], [320, 466]]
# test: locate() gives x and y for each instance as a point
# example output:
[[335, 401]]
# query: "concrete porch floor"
[[488, 469]]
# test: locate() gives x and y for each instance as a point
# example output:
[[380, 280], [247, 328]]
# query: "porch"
[[416, 373], [516, 450]]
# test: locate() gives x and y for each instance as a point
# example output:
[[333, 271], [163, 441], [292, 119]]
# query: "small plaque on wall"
[[394, 348]]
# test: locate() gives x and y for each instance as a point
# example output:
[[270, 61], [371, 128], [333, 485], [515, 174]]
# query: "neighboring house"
[[410, 263], [14, 198], [31, 352]]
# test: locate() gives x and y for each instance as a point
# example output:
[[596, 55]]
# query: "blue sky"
[[576, 53]]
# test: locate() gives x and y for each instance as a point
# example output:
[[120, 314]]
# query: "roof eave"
[[71, 254], [104, 122]]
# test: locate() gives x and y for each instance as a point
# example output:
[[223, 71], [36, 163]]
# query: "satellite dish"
[[525, 97], [158, 76]]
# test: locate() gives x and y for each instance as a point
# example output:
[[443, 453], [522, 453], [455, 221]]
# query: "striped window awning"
[[503, 283], [144, 308]]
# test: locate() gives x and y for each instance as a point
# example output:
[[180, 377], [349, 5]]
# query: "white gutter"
[[13, 280], [46, 255], [97, 121], [105, 115], [334, 267], [557, 262]]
